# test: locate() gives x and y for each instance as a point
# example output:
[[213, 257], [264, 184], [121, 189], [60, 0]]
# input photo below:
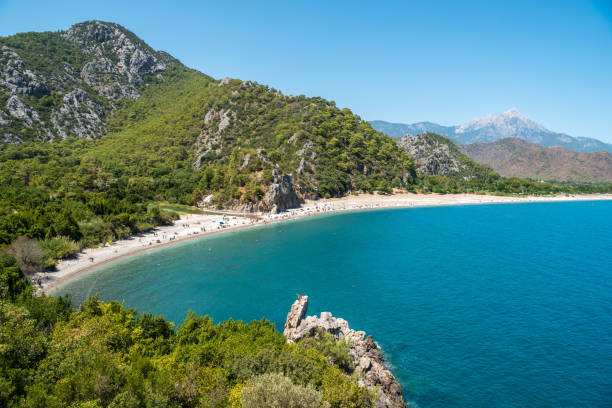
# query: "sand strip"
[[197, 226]]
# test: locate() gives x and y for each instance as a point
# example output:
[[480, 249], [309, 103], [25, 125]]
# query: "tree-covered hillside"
[[235, 134]]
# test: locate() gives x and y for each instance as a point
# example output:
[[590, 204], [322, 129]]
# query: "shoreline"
[[194, 226]]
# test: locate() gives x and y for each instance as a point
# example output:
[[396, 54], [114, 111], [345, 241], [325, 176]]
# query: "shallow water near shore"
[[491, 305]]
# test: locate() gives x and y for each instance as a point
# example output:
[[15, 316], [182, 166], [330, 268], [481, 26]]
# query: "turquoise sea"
[[474, 306]]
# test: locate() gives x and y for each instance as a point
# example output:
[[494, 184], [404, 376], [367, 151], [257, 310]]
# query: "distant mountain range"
[[513, 157], [509, 124]]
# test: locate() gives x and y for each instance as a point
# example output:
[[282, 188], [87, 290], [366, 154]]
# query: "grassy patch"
[[180, 208]]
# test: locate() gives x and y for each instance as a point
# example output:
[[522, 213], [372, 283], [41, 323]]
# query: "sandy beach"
[[194, 226]]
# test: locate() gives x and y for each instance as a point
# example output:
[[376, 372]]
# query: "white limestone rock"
[[18, 109], [367, 359]]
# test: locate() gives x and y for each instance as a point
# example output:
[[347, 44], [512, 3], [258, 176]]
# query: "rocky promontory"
[[367, 358]]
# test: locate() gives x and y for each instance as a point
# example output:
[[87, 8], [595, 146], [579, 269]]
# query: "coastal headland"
[[194, 226]]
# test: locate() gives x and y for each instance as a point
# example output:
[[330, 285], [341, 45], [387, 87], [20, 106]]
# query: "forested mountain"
[[518, 158], [509, 124]]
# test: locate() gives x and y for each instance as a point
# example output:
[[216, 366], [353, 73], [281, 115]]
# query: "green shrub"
[[337, 352], [344, 392], [277, 391], [12, 281], [96, 231], [58, 248]]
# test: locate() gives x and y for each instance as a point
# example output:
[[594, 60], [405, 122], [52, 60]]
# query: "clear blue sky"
[[404, 61]]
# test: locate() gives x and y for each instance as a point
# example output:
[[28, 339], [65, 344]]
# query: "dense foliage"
[[236, 133], [104, 355], [48, 193]]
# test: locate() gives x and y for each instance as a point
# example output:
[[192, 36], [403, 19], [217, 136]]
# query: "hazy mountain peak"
[[510, 123], [513, 112]]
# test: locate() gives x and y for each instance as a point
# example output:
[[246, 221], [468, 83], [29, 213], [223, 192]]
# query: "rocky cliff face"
[[435, 155], [431, 157], [71, 91], [367, 359], [281, 194], [118, 60]]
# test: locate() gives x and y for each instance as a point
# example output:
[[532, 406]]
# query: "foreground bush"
[[277, 391], [104, 355]]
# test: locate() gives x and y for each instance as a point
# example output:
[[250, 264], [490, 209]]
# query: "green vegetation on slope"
[[180, 122], [104, 355], [47, 192]]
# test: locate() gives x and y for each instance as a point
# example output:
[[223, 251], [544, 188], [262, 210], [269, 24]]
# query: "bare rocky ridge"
[[120, 61], [431, 156], [79, 115], [16, 78], [116, 65], [518, 158], [436, 155], [368, 360]]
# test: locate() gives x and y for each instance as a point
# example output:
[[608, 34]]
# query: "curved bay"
[[499, 305]]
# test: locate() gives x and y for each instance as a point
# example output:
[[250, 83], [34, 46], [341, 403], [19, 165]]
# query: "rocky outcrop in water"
[[367, 358]]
